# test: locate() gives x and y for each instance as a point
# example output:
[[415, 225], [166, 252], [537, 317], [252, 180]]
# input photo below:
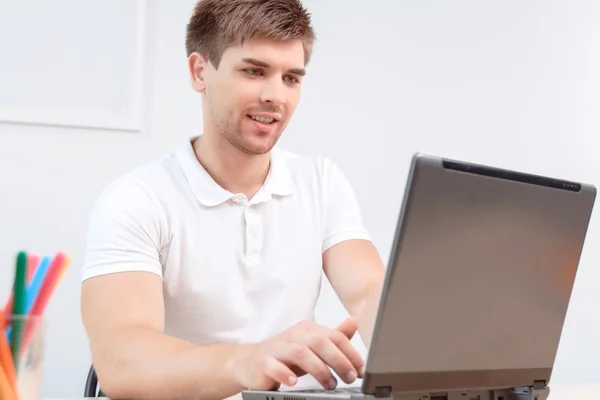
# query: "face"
[[250, 98]]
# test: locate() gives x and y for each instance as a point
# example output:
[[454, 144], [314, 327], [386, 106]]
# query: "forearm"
[[356, 273], [145, 364], [365, 311]]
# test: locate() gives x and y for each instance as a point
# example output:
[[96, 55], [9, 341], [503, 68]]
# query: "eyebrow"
[[258, 63]]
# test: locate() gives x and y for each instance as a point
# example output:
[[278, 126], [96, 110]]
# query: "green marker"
[[18, 306]]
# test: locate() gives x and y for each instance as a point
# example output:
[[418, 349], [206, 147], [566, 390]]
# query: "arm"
[[350, 260], [356, 274], [123, 311], [124, 318]]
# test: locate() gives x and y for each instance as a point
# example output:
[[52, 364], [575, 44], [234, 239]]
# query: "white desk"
[[557, 392]]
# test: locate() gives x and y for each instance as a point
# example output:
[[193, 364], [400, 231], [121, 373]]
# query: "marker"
[[43, 296], [18, 308], [36, 282], [32, 289], [6, 359]]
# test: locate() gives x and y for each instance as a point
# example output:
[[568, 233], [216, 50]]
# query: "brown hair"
[[217, 24]]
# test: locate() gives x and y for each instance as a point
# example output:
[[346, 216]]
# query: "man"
[[203, 268]]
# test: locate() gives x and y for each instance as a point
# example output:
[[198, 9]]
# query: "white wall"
[[508, 83]]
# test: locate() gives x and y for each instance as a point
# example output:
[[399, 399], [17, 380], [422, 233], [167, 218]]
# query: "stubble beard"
[[230, 128]]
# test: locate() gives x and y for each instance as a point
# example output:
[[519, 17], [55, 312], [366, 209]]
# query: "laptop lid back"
[[479, 279]]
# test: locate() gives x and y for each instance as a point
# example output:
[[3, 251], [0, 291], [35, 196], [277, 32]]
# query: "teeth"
[[263, 120]]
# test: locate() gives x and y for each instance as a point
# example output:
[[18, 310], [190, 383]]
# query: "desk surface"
[[557, 392]]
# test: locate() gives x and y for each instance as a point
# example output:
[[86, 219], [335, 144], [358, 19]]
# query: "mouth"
[[263, 120]]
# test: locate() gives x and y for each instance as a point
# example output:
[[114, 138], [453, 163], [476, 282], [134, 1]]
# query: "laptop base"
[[521, 393]]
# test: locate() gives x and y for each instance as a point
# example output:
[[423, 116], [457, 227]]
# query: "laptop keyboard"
[[334, 391]]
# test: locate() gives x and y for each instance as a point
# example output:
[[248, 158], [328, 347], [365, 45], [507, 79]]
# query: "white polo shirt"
[[233, 270]]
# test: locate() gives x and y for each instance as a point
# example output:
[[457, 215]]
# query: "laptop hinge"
[[539, 384], [383, 391]]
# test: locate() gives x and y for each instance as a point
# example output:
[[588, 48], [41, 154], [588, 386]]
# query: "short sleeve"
[[124, 232], [343, 219]]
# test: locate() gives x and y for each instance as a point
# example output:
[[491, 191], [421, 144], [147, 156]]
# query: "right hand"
[[305, 348]]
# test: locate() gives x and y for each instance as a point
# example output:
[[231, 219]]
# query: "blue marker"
[[36, 283]]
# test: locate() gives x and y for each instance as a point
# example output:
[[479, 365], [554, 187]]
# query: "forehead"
[[276, 53]]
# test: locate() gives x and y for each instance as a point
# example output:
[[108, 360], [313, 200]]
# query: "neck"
[[231, 168]]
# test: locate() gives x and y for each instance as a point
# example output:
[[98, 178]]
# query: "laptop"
[[476, 289]]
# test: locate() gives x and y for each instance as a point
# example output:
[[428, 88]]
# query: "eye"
[[253, 71], [291, 79]]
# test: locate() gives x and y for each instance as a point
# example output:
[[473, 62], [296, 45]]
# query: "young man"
[[203, 268]]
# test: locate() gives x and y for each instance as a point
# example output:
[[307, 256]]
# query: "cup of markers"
[[22, 327]]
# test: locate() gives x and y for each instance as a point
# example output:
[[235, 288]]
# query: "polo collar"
[[278, 181], [210, 193]]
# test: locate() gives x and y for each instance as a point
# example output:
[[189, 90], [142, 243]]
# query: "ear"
[[197, 64]]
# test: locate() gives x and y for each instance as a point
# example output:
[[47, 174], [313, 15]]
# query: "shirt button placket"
[[253, 242]]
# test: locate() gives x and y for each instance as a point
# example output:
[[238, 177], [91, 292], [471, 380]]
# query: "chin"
[[256, 143], [262, 146]]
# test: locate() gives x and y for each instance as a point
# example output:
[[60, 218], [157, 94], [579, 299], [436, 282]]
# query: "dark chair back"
[[91, 385]]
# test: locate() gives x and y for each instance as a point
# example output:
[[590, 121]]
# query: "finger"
[[348, 327], [324, 347], [342, 342], [280, 372], [305, 359], [341, 338]]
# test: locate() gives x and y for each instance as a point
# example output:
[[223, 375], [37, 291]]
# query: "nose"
[[273, 92]]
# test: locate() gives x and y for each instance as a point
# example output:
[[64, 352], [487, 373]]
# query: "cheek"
[[234, 94], [249, 94], [245, 90], [293, 98]]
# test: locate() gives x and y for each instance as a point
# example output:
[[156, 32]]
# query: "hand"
[[305, 348]]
